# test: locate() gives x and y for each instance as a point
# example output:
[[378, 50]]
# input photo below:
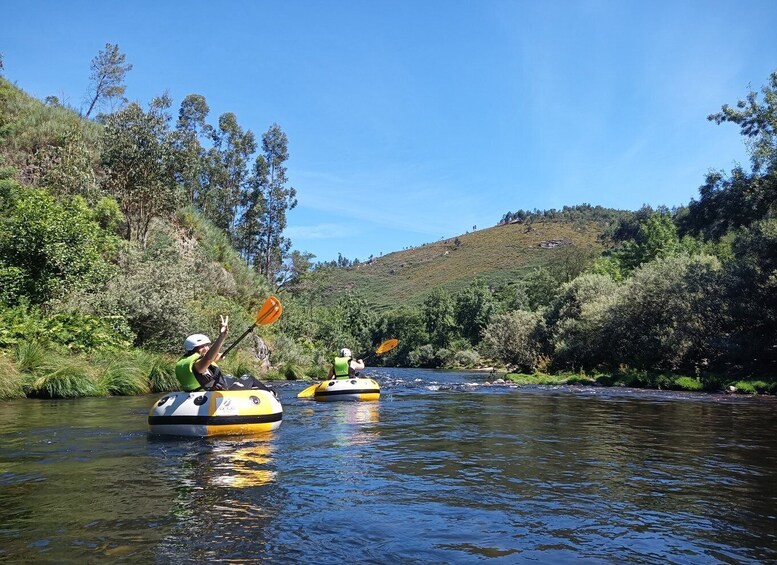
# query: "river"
[[445, 468]]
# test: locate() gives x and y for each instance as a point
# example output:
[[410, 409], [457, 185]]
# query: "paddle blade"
[[308, 392], [387, 345], [269, 312]]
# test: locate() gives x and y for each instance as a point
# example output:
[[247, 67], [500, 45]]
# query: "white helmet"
[[345, 352], [194, 341]]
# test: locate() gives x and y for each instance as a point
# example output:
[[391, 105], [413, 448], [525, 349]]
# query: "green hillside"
[[497, 255]]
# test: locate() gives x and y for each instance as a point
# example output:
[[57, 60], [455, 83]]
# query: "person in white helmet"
[[197, 369], [345, 366]]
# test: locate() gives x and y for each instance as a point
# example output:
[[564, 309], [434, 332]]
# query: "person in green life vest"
[[345, 366], [197, 369]]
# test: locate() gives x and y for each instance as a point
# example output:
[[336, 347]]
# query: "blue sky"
[[410, 121]]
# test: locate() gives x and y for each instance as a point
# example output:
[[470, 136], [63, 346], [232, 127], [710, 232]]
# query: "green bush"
[[688, 383], [48, 249], [669, 315], [516, 338], [468, 359], [81, 332]]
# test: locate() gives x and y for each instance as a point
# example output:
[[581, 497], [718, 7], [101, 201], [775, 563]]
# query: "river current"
[[444, 468]]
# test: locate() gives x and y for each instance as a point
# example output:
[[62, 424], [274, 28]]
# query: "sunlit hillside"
[[497, 255]]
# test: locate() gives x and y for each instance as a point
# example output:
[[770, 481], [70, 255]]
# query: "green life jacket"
[[184, 372], [342, 367]]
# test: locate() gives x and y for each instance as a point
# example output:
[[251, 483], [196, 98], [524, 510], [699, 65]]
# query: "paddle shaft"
[[238, 340]]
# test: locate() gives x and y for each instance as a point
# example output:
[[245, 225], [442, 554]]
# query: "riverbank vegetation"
[[121, 234]]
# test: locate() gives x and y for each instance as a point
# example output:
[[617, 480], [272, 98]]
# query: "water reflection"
[[241, 467]]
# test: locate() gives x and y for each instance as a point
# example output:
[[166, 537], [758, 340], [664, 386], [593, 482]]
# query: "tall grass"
[[30, 356], [161, 374], [64, 377], [125, 379], [10, 380]]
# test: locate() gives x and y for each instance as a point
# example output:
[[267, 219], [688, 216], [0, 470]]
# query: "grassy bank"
[[651, 380], [31, 370]]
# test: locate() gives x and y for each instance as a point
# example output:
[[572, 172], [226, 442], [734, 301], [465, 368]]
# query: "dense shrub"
[[48, 249], [669, 314], [468, 359], [517, 338], [578, 321]]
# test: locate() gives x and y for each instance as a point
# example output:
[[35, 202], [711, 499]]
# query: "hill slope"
[[497, 255]]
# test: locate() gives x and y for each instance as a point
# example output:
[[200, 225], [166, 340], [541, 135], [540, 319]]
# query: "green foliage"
[[226, 272], [517, 338], [83, 332], [151, 293], [408, 326], [607, 266], [290, 371], [124, 379], [474, 307], [48, 249], [669, 314], [265, 203], [498, 256], [657, 238], [753, 295], [10, 380], [108, 69], [349, 323], [579, 321], [467, 359], [423, 356], [28, 126], [138, 156], [756, 387], [161, 373], [30, 356], [70, 377], [541, 288], [688, 383], [66, 167], [731, 202], [439, 318]]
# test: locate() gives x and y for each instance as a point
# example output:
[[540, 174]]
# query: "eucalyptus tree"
[[138, 161], [190, 154], [109, 69], [296, 266], [278, 198], [227, 173]]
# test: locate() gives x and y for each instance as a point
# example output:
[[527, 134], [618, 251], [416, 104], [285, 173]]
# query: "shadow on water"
[[444, 468]]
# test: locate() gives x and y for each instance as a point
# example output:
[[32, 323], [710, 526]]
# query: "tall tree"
[[227, 171], [274, 247], [109, 68], [439, 318], [190, 154], [474, 308], [743, 197], [137, 155]]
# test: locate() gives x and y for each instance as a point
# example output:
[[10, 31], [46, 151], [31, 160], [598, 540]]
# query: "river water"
[[445, 468]]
